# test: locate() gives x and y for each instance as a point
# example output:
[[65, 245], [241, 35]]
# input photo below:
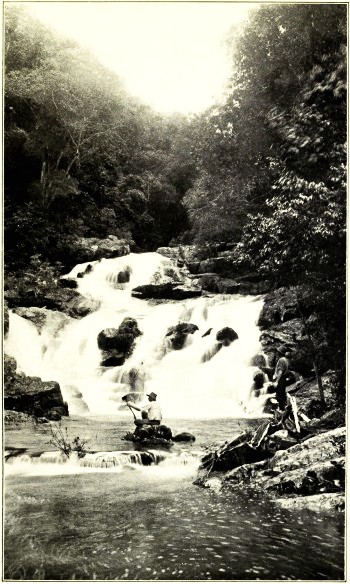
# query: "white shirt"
[[153, 409]]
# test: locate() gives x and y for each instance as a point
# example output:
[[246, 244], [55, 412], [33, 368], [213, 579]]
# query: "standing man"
[[151, 412], [281, 377]]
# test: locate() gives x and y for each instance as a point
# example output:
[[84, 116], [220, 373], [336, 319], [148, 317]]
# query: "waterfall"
[[197, 381]]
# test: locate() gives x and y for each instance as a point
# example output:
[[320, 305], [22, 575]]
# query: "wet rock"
[[89, 268], [68, 282], [118, 344], [226, 336], [184, 437], [259, 379], [149, 434], [123, 276], [234, 454], [112, 358], [178, 334], [167, 291], [58, 299], [33, 396]]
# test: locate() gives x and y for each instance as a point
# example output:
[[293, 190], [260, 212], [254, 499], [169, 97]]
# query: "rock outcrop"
[[167, 291], [116, 344], [64, 300], [31, 395], [215, 269], [85, 249], [151, 435], [178, 334], [226, 336]]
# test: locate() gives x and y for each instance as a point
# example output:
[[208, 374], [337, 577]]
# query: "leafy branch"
[[61, 440]]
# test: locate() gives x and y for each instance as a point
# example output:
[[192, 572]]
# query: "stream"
[[110, 516]]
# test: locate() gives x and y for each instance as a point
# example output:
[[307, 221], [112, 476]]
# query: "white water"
[[52, 463], [191, 382]]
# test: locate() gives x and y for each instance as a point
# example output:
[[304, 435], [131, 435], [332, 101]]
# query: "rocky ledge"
[[30, 396], [308, 474]]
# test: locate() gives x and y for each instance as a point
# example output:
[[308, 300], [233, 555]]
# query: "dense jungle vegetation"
[[264, 168]]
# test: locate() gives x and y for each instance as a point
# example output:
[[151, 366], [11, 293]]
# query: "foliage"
[[39, 278], [82, 157], [61, 440]]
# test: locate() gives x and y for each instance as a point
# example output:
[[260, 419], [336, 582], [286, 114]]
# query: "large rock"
[[184, 437], [116, 344], [151, 435], [314, 466], [64, 300], [31, 395], [86, 249], [168, 291], [178, 334], [280, 305], [226, 336]]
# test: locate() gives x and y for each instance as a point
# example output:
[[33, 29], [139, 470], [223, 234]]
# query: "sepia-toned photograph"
[[174, 290]]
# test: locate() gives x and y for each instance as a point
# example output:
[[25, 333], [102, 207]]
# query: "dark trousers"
[[145, 421]]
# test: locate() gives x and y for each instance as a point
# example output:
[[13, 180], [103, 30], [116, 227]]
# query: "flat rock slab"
[[322, 502]]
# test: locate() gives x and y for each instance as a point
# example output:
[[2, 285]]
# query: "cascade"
[[197, 381]]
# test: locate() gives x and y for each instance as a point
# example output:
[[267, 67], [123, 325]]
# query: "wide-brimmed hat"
[[152, 395]]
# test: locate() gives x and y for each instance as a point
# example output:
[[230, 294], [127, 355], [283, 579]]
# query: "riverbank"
[[133, 522], [308, 472]]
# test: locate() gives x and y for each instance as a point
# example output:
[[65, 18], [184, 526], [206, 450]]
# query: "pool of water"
[[152, 523]]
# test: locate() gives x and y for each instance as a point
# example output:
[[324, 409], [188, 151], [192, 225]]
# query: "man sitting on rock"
[[150, 412]]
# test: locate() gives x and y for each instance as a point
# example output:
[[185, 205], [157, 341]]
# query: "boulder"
[[184, 437], [315, 465], [118, 344], [33, 396], [178, 334], [68, 282], [89, 268], [149, 434], [85, 249], [226, 336], [59, 299], [167, 291], [280, 305]]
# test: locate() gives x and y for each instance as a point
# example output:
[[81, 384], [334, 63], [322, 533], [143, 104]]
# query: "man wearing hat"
[[150, 412], [281, 376]]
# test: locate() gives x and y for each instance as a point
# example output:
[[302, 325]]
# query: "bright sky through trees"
[[170, 54]]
